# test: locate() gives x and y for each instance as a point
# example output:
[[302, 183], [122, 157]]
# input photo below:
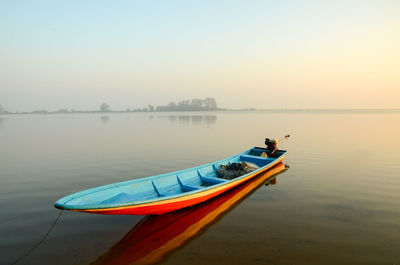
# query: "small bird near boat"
[[172, 191]]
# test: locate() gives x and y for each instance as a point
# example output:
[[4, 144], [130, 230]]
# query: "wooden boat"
[[167, 192], [158, 236]]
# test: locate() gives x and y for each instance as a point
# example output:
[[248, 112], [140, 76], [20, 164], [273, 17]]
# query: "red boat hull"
[[161, 207]]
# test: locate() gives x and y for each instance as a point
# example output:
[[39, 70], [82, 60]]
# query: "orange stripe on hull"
[[161, 207]]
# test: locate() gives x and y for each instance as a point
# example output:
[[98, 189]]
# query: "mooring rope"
[[40, 242]]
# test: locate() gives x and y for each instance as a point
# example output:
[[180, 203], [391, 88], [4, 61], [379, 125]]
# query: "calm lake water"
[[338, 203]]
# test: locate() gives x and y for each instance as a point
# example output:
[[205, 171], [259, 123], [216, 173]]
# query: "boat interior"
[[170, 184]]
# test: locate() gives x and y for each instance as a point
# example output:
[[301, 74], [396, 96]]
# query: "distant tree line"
[[195, 104]]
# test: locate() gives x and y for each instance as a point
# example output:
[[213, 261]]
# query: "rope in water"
[[40, 242]]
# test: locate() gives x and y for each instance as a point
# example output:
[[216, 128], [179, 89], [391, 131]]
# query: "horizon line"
[[218, 110]]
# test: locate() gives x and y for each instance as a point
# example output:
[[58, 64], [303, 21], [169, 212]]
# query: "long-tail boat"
[[171, 191]]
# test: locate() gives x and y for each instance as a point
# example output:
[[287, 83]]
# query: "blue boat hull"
[[167, 192]]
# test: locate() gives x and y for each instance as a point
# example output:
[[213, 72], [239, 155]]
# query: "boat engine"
[[271, 144]]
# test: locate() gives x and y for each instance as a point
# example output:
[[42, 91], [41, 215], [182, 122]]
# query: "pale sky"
[[257, 54]]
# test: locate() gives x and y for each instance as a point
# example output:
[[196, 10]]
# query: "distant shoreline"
[[197, 111]]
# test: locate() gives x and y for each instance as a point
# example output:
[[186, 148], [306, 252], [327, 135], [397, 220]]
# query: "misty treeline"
[[195, 104]]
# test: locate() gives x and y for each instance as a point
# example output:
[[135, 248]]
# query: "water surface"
[[339, 203]]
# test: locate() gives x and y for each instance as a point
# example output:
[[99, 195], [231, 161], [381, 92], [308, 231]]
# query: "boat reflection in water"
[[157, 236]]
